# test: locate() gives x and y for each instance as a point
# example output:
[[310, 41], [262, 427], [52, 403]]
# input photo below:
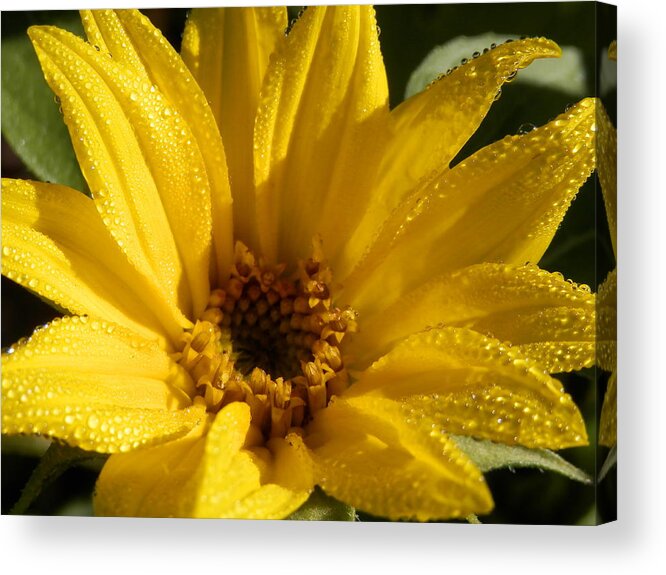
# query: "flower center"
[[271, 342]]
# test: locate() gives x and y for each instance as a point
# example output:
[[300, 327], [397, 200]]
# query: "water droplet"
[[526, 128]]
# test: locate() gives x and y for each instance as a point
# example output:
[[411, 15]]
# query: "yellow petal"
[[55, 244], [608, 421], [290, 484], [152, 482], [252, 483], [227, 50], [550, 319], [317, 134], [106, 33], [368, 454], [607, 169], [475, 385], [95, 385], [144, 170], [430, 128], [503, 204], [132, 39], [217, 471], [607, 324]]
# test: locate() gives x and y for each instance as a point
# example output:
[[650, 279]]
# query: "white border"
[[634, 544]]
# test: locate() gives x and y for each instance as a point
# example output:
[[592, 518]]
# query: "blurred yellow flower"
[[607, 296], [358, 301]]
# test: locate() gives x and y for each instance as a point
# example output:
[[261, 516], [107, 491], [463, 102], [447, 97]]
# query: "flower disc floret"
[[271, 342]]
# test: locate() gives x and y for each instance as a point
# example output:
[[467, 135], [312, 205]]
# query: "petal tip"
[[35, 33], [533, 48], [551, 49]]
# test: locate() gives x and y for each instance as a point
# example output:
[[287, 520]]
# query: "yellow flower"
[[607, 296], [212, 345]]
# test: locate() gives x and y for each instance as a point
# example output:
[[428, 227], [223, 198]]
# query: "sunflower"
[[356, 304]]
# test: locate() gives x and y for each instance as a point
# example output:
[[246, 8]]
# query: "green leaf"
[[607, 73], [609, 463], [487, 456], [322, 507], [565, 74], [31, 120], [57, 459], [24, 445]]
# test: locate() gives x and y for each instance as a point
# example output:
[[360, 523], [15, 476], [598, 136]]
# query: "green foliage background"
[[32, 126]]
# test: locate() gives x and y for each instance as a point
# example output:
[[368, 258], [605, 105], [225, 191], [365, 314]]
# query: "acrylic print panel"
[[331, 264]]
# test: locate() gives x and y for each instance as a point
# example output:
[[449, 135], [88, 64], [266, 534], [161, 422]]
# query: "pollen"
[[270, 341]]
